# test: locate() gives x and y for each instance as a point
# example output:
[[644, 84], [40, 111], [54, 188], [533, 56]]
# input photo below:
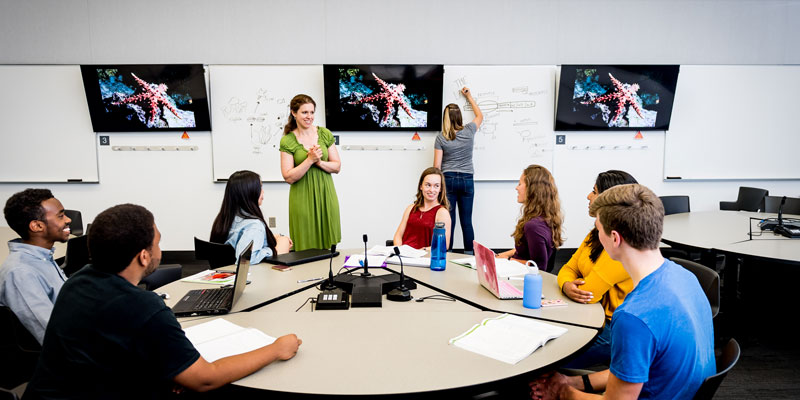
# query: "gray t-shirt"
[[457, 153]]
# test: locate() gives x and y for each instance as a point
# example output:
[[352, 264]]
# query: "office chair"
[[726, 361], [749, 199], [218, 255], [709, 281], [165, 274], [19, 348], [77, 255], [675, 204], [772, 203], [76, 226]]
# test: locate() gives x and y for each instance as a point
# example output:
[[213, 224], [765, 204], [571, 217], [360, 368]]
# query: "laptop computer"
[[300, 257], [487, 274], [219, 300]]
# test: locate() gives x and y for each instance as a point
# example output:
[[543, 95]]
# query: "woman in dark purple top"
[[538, 231]]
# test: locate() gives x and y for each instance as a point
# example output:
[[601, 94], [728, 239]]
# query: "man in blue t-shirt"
[[662, 344]]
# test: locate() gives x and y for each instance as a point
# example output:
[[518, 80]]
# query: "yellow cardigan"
[[606, 279]]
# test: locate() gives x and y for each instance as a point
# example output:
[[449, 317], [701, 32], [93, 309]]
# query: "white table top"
[[361, 341], [727, 231], [378, 352]]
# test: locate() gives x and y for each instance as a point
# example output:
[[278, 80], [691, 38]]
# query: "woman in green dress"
[[308, 158]]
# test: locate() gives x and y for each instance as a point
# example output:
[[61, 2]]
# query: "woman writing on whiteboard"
[[240, 220], [538, 231], [308, 158], [453, 155], [591, 276], [430, 207]]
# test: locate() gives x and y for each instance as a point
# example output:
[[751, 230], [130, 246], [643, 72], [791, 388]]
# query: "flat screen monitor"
[[135, 98], [615, 97], [383, 97]]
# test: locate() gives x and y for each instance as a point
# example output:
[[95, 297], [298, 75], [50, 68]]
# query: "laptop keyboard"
[[213, 298], [508, 291]]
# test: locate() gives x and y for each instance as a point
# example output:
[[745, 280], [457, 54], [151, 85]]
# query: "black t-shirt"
[[109, 339]]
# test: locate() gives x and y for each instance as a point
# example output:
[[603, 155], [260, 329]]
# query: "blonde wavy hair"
[[541, 200], [451, 121]]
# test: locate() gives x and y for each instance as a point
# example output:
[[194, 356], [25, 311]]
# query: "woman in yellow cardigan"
[[591, 276]]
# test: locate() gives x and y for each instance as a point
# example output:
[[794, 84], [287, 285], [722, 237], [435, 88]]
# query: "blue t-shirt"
[[663, 336]]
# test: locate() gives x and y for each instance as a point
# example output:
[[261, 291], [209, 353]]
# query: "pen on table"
[[515, 278], [310, 280]]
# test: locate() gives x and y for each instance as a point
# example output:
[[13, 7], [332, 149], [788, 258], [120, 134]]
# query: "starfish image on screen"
[[389, 95], [151, 99], [622, 95], [150, 104]]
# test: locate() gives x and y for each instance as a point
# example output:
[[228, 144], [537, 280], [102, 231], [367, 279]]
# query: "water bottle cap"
[[438, 225], [532, 267]]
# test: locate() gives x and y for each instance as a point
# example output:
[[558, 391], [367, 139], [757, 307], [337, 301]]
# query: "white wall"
[[178, 187]]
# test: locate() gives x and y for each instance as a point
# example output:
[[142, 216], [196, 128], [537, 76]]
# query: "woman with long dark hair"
[[538, 231], [453, 155], [240, 219], [429, 207], [308, 158], [591, 276]]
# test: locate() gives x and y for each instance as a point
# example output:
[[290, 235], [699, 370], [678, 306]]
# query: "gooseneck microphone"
[[780, 211], [366, 261], [400, 293], [329, 285]]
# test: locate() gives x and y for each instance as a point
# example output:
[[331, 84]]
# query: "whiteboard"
[[46, 131], [249, 107], [517, 104], [734, 122]]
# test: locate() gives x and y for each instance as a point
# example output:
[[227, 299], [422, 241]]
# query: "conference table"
[[6, 234], [399, 348]]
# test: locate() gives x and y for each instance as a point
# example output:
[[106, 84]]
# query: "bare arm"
[[442, 215], [202, 375], [334, 163], [292, 174], [558, 386], [398, 235], [437, 158], [478, 113]]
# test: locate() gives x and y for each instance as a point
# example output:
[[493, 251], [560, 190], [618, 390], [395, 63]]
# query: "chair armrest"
[[728, 206]]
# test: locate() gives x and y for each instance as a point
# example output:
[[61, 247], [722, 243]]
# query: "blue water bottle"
[[438, 248], [532, 289]]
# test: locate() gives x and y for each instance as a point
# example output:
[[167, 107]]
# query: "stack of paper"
[[219, 339], [411, 262], [211, 276], [405, 251], [356, 260], [507, 338]]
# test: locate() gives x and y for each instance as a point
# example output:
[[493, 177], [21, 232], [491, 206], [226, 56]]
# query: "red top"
[[419, 228]]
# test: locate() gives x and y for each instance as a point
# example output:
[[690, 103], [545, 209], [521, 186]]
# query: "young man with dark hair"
[[30, 279], [662, 343], [110, 339]]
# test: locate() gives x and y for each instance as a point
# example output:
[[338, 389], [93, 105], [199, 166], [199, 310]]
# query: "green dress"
[[313, 204]]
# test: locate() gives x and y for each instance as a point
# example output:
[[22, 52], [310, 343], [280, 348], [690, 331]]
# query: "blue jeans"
[[461, 192], [598, 353]]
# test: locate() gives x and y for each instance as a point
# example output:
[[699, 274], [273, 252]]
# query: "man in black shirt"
[[109, 339]]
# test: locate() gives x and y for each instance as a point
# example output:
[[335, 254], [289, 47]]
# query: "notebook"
[[216, 301], [487, 274], [301, 257]]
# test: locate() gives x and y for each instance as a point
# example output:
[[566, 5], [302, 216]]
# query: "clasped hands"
[[315, 154]]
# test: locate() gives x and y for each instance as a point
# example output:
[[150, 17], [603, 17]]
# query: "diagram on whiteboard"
[[517, 106], [262, 118]]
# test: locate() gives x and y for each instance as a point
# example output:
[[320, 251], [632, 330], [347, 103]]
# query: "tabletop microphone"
[[329, 285], [400, 293], [366, 261], [780, 211]]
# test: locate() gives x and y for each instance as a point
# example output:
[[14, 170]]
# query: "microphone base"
[[399, 294]]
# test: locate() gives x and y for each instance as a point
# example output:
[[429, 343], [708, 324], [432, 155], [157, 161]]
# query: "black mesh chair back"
[[218, 255], [726, 360], [19, 348], [709, 281], [773, 203], [77, 255], [163, 275], [750, 199], [76, 226], [675, 204]]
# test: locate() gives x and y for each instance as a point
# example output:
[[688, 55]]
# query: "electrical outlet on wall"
[[272, 222]]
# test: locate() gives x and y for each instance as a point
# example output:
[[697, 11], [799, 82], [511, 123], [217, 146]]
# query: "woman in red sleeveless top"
[[416, 227]]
